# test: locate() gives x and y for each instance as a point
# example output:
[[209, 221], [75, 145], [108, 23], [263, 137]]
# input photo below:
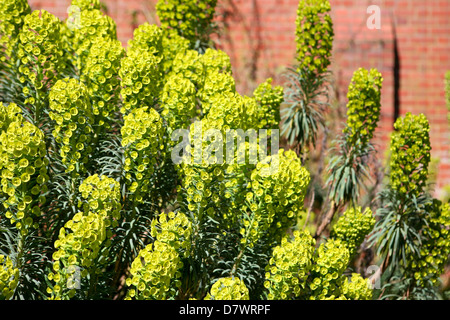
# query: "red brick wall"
[[259, 35]]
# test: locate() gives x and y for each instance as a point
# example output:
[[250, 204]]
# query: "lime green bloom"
[[230, 288], [353, 226], [364, 94], [192, 19], [410, 154], [314, 35], [9, 277], [155, 273]]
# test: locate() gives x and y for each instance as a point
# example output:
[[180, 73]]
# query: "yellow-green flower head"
[[71, 112], [23, 169], [141, 74], [155, 273], [410, 154], [93, 24], [190, 18], [314, 35], [353, 226], [364, 105], [174, 229], [330, 261], [216, 61], [40, 49], [269, 100], [178, 102], [142, 135], [9, 277], [101, 194], [230, 288], [289, 267], [357, 288], [9, 113], [216, 86], [189, 64], [280, 190], [172, 44], [86, 4], [147, 37], [430, 265], [77, 248], [101, 74], [12, 13]]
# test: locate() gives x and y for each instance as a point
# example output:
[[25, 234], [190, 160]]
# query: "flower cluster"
[[314, 35], [436, 246], [189, 64], [353, 226], [71, 111], [93, 25], [330, 261], [191, 18], [101, 195], [230, 288], [86, 4], [155, 272], [172, 44], [178, 102], [357, 288], [78, 246], [141, 137], [101, 75], [141, 76], [23, 167], [289, 267], [410, 154], [9, 277], [269, 100], [12, 13], [278, 191], [147, 37], [40, 54], [364, 104]]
